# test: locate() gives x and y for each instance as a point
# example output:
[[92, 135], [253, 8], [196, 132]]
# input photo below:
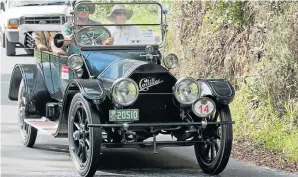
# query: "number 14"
[[205, 109]]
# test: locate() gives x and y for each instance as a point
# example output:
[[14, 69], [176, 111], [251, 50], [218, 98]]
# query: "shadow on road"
[[134, 161], [138, 159], [130, 158], [52, 148]]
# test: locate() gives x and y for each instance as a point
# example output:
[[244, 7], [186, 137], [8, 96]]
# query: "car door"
[[59, 72], [46, 70]]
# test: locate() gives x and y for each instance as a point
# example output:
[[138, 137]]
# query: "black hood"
[[151, 78]]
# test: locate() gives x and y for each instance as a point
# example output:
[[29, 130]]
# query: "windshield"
[[17, 3], [121, 24]]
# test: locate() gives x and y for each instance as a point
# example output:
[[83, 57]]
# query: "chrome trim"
[[35, 19], [125, 79], [181, 80]]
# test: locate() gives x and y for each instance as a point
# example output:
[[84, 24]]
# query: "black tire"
[[3, 40], [214, 164], [29, 51], [10, 48], [28, 133], [81, 110]]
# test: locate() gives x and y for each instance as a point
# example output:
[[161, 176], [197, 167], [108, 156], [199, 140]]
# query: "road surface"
[[50, 156]]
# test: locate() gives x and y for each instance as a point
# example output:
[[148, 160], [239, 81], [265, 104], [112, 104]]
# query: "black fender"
[[219, 89], [91, 89], [36, 92]]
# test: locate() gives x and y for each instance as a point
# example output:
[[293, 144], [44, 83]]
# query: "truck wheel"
[[84, 142], [3, 40], [213, 155], [28, 132], [10, 48], [29, 51]]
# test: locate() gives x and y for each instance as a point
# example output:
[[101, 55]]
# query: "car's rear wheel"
[[213, 155], [28, 133], [84, 142]]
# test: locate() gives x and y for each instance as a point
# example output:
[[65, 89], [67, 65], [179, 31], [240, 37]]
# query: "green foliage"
[[227, 12]]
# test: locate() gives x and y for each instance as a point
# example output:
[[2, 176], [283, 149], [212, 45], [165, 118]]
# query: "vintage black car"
[[122, 94]]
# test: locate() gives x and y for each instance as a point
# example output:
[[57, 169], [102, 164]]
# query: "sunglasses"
[[117, 13], [83, 8]]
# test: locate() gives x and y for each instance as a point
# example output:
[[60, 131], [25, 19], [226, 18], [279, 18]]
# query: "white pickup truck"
[[16, 14]]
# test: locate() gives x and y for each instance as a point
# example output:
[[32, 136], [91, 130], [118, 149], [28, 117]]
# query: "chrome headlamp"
[[125, 91], [75, 62], [171, 61], [187, 90]]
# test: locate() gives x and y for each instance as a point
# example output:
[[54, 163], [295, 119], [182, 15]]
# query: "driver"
[[123, 34], [82, 14]]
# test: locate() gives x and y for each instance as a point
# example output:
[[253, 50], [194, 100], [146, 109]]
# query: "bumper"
[[127, 125], [154, 127]]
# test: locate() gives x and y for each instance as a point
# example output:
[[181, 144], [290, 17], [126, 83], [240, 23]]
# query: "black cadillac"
[[119, 95]]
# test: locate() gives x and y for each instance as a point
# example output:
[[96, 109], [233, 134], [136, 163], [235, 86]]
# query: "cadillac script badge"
[[145, 83]]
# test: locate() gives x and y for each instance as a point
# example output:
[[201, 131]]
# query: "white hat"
[[128, 12]]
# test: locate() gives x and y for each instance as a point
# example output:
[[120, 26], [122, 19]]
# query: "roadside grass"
[[264, 127]]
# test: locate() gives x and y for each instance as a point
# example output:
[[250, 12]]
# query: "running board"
[[44, 125]]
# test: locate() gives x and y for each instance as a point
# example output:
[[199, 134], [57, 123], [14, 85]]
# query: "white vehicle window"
[[16, 3]]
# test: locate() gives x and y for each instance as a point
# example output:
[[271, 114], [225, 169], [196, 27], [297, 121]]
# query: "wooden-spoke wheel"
[[28, 132], [84, 142], [213, 154]]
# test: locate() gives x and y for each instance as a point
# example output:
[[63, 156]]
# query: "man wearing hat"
[[123, 34], [82, 13]]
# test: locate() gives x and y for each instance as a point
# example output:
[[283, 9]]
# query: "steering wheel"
[[93, 35]]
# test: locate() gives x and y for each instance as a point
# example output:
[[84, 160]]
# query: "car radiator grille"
[[156, 108], [157, 103], [43, 20]]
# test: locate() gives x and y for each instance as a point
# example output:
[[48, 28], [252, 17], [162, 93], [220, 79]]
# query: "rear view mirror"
[[59, 40]]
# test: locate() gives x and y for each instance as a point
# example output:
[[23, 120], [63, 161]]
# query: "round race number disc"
[[203, 107]]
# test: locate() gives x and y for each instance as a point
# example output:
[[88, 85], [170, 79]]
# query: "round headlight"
[[171, 61], [125, 91], [75, 62], [149, 49], [187, 90]]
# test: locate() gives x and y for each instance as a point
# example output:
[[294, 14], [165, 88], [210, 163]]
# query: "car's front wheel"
[[28, 133], [84, 142], [213, 155]]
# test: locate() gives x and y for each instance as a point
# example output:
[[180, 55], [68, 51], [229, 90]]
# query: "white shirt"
[[124, 35]]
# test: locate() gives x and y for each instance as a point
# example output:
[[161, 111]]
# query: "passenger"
[[42, 40], [82, 14], [123, 34]]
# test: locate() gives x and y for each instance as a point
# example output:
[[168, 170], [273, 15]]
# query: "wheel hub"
[[22, 114], [77, 135]]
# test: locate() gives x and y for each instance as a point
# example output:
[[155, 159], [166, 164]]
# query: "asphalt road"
[[50, 156]]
